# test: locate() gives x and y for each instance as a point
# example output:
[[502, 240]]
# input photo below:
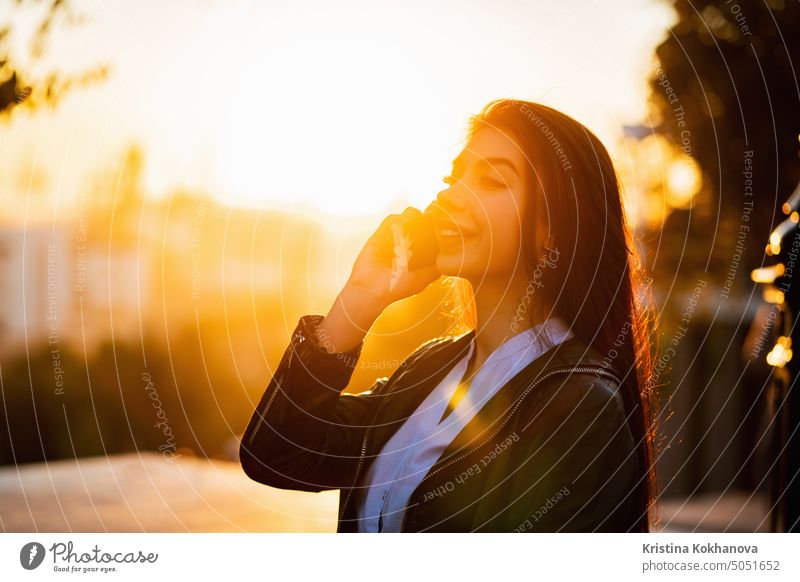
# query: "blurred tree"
[[191, 395], [18, 88], [726, 92]]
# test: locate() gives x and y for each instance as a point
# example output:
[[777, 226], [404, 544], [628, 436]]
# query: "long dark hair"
[[597, 286]]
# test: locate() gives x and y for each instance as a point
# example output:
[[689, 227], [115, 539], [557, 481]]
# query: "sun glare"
[[344, 109], [350, 130]]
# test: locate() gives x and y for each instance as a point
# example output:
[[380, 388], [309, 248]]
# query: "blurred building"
[[36, 287], [121, 268]]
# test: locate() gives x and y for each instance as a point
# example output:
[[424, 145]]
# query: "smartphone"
[[415, 242]]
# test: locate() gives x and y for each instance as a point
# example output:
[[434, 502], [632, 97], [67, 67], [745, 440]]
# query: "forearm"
[[285, 438], [349, 319]]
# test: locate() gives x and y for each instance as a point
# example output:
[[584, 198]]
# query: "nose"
[[449, 201]]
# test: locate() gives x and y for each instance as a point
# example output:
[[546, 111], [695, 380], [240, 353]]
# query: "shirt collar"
[[538, 338]]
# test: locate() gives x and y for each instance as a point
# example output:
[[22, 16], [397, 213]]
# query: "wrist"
[[348, 321], [315, 348], [362, 304]]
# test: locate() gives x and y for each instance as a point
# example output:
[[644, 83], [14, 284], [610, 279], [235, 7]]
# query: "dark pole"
[[784, 389]]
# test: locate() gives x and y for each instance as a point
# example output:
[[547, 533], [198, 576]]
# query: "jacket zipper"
[[602, 371], [343, 506], [360, 460], [363, 442], [278, 384]]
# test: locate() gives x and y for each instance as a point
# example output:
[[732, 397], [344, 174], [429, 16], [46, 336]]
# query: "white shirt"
[[419, 442]]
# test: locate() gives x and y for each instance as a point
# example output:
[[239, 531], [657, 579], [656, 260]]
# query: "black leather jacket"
[[551, 451]]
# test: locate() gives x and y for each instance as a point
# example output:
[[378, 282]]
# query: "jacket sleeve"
[[578, 467], [305, 434]]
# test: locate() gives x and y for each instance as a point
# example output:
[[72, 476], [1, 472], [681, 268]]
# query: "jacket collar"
[[414, 384], [570, 354]]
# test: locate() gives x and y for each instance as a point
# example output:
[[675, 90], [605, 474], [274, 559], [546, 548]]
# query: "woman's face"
[[478, 216]]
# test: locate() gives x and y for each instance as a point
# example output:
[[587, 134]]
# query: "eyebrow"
[[495, 161]]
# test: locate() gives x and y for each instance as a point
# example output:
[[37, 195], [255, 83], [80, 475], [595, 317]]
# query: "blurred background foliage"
[[21, 86]]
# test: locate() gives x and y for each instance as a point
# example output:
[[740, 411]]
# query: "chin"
[[454, 265]]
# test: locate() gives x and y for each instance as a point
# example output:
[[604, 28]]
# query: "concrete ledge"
[[146, 492]]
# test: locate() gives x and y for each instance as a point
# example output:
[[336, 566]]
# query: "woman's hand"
[[375, 273], [373, 286]]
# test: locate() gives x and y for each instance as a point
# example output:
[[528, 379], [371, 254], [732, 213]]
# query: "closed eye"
[[493, 183], [486, 181]]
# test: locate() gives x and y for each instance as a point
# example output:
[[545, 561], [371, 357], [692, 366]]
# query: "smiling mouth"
[[452, 236]]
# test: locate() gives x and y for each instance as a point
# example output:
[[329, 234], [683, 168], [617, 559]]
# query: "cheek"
[[494, 251], [502, 235], [502, 249], [497, 250]]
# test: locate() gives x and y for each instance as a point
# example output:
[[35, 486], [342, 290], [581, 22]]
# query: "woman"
[[538, 418]]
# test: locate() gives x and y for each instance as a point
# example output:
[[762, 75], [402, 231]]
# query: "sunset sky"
[[345, 108]]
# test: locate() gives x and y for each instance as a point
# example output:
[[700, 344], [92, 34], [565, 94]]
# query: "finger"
[[390, 219], [384, 232], [382, 240]]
